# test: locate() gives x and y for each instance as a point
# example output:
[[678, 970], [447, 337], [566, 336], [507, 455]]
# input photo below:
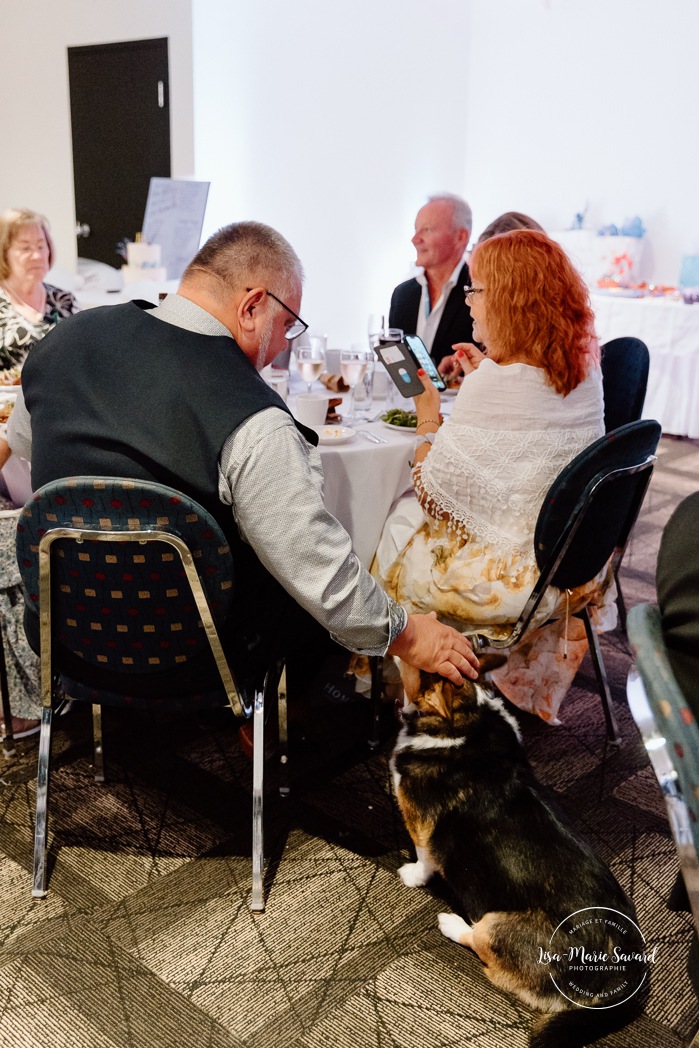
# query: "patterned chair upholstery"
[[129, 585], [671, 735]]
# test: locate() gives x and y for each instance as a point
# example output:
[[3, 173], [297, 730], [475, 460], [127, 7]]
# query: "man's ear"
[[249, 307]]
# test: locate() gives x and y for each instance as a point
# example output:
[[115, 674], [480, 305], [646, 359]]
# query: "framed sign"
[[174, 218]]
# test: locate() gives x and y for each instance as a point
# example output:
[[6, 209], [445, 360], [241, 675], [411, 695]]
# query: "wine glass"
[[353, 365], [310, 359], [374, 328]]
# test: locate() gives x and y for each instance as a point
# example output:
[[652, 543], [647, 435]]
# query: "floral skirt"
[[426, 566], [22, 664]]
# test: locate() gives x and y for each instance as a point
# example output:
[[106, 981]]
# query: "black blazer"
[[456, 324]]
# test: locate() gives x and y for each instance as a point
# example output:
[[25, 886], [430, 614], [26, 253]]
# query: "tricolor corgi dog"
[[543, 913]]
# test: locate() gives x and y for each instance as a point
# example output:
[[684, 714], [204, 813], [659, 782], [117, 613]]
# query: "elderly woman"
[[462, 545], [28, 307]]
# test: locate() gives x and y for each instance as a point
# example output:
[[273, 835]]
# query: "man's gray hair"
[[248, 254], [461, 216]]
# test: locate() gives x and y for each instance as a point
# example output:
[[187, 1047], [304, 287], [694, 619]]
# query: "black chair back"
[[592, 505], [625, 363]]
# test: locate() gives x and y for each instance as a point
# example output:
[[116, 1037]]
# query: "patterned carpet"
[[145, 938]]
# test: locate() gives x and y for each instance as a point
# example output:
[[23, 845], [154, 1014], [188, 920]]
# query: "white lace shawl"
[[508, 437]]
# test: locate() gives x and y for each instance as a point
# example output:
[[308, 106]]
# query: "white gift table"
[[670, 329]]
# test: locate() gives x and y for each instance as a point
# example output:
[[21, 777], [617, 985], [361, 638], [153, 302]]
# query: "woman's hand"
[[468, 356], [427, 403]]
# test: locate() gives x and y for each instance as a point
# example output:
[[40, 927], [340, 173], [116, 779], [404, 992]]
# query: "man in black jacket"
[[432, 304]]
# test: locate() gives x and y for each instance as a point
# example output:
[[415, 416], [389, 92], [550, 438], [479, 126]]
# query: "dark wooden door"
[[120, 115]]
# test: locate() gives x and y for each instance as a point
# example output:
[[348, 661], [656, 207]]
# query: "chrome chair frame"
[[240, 707], [652, 662]]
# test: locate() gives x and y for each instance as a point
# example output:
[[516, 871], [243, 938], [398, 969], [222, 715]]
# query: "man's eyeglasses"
[[469, 292], [296, 329]]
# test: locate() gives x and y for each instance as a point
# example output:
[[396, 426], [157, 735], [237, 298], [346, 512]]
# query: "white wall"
[[37, 167], [332, 122], [574, 103]]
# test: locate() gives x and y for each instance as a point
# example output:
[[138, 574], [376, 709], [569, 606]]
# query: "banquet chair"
[[670, 734], [625, 363], [584, 522], [128, 585]]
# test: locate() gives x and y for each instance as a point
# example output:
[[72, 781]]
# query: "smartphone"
[[419, 350]]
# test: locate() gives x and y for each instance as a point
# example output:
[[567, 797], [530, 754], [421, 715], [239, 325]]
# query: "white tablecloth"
[[670, 329], [363, 480]]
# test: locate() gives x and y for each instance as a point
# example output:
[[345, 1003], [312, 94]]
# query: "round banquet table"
[[363, 479]]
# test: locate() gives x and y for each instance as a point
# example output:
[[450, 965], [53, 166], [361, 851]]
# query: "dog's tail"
[[578, 1027]]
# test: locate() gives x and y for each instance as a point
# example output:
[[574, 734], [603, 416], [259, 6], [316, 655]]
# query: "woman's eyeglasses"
[[469, 292]]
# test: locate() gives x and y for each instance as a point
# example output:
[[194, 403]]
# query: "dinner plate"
[[334, 434], [400, 429]]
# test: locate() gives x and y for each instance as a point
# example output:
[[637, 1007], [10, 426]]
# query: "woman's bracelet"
[[426, 420]]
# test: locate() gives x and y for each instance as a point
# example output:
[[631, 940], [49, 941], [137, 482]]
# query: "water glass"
[[364, 387], [391, 335]]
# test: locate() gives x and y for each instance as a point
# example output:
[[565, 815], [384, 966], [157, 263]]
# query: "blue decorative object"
[[608, 231], [689, 271], [633, 227]]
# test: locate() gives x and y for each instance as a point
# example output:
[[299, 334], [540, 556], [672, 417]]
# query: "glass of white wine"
[[310, 359], [353, 365]]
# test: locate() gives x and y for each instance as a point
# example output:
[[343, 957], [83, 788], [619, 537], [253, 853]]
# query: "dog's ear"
[[490, 661], [441, 697], [411, 680]]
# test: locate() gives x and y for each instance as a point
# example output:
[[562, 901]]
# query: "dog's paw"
[[454, 927], [415, 874]]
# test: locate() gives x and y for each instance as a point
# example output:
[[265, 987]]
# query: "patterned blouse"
[[17, 334]]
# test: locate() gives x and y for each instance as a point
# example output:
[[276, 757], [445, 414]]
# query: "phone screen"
[[419, 351]]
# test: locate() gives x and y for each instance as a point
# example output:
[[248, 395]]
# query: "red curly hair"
[[538, 306]]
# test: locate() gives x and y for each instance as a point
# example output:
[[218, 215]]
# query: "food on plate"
[[6, 411], [398, 417], [10, 376]]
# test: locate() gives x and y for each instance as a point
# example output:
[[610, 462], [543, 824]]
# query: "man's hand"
[[429, 645], [449, 366]]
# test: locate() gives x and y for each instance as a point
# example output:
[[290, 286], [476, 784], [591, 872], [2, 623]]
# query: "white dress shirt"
[[428, 315]]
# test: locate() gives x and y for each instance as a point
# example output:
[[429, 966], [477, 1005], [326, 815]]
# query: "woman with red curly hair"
[[464, 546]]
